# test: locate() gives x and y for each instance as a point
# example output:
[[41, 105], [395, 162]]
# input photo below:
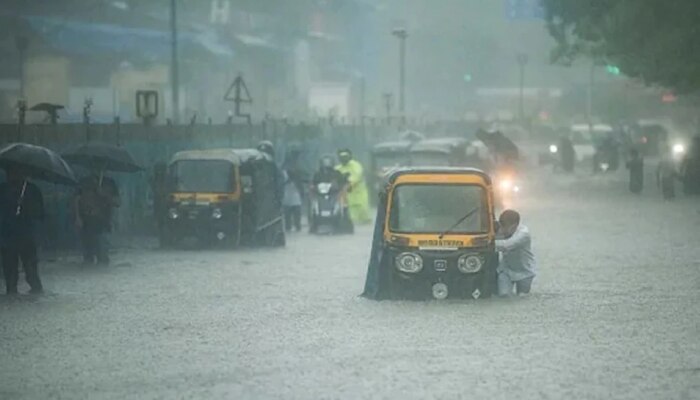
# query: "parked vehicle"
[[224, 196]]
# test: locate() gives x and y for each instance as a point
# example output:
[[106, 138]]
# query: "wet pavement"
[[614, 314]]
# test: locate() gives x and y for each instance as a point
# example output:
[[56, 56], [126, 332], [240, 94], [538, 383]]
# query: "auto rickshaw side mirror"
[[496, 226]]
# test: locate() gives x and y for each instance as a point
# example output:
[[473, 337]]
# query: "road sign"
[[524, 10]]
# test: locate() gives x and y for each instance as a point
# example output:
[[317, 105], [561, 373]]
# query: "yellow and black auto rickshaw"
[[385, 157], [434, 236], [224, 196]]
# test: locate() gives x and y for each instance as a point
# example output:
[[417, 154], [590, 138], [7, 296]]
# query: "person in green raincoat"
[[358, 197]]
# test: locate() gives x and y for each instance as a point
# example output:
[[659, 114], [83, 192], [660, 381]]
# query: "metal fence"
[[152, 144]]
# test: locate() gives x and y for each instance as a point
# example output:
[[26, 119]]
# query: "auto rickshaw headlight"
[[173, 213], [469, 263], [409, 262], [553, 149], [678, 149], [217, 213]]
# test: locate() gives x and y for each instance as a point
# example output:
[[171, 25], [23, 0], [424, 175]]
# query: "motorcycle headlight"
[[470, 263], [173, 213], [409, 262], [217, 213], [553, 149], [506, 184], [678, 149]]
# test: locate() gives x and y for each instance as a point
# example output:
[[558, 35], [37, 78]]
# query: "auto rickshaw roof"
[[440, 145], [234, 156], [392, 147], [396, 173]]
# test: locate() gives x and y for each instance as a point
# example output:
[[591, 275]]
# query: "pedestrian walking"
[[291, 201], [21, 207], [517, 266], [636, 168], [94, 207]]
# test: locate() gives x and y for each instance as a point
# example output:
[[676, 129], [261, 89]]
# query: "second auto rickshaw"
[[434, 236], [227, 196]]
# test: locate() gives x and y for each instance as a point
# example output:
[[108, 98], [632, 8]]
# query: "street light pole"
[[522, 62], [402, 34], [174, 67]]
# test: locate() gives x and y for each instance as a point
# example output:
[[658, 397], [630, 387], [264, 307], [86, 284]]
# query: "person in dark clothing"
[[95, 203], [636, 167], [690, 169], [328, 173], [567, 154], [21, 206]]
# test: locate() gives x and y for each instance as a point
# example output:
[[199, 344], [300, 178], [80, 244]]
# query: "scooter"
[[328, 214]]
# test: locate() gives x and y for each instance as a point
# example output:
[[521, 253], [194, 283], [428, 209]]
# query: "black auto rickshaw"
[[385, 157], [447, 152], [434, 236], [225, 196]]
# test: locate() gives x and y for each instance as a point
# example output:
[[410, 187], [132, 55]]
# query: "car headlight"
[[506, 184], [678, 149], [553, 149], [217, 213], [173, 213], [409, 262], [470, 263]]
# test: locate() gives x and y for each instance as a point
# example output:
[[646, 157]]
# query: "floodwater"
[[614, 313]]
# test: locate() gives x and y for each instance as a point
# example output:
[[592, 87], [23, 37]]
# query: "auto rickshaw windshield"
[[203, 176], [435, 208]]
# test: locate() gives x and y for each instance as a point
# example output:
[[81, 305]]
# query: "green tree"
[[656, 41]]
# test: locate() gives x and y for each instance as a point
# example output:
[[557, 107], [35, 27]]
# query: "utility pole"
[[22, 44], [402, 34], [589, 100], [387, 106], [174, 67], [522, 62]]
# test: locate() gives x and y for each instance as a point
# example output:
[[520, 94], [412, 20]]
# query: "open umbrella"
[[103, 157], [498, 143], [37, 162]]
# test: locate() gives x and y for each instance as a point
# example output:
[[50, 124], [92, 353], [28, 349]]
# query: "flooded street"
[[613, 314]]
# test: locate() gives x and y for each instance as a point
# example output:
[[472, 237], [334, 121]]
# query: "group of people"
[[22, 210], [347, 173], [669, 170]]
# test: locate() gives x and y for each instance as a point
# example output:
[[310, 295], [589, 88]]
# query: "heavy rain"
[[349, 199]]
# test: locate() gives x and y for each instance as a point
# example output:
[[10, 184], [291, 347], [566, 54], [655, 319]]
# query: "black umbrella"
[[37, 162], [48, 107], [499, 144], [103, 157]]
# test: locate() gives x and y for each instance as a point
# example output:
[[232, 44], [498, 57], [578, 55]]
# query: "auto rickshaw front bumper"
[[440, 278], [210, 224]]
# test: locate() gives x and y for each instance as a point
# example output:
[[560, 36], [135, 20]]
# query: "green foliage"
[[654, 40]]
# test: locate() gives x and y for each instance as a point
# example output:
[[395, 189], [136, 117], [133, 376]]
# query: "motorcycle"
[[328, 214]]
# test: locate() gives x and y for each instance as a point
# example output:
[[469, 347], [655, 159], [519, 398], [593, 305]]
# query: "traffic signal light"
[[468, 78], [613, 69]]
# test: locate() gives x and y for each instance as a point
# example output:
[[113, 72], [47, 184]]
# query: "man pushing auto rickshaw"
[[358, 197]]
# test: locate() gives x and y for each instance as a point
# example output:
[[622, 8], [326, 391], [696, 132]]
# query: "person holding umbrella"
[[95, 202], [22, 205], [98, 195]]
